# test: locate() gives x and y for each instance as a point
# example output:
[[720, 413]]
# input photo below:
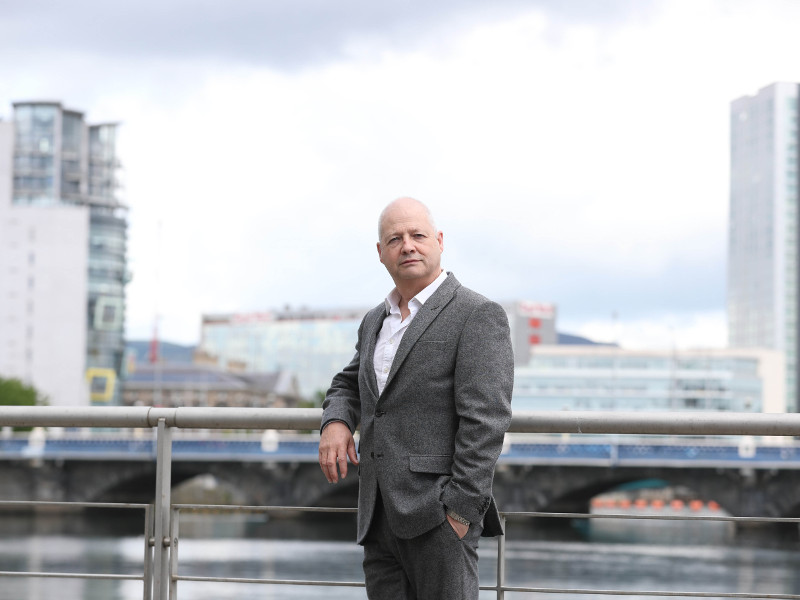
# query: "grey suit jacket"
[[432, 438]]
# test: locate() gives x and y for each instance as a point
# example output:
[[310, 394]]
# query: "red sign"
[[542, 310]]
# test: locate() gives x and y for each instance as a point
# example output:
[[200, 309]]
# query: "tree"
[[15, 393], [314, 402]]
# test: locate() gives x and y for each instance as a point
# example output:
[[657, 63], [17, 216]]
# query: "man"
[[430, 386]]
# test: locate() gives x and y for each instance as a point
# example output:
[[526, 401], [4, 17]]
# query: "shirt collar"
[[392, 301]]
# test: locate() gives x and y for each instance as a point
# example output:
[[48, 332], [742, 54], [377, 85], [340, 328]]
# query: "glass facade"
[[103, 162], [106, 296], [58, 159], [107, 259], [624, 381], [762, 242], [36, 132], [314, 346]]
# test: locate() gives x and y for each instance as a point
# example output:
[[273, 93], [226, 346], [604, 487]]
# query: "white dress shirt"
[[394, 326]]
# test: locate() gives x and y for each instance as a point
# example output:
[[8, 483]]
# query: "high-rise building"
[[763, 229], [63, 238]]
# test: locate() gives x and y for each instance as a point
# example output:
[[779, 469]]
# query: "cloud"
[[282, 35], [657, 330], [573, 152]]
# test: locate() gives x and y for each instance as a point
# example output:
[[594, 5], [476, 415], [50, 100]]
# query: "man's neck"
[[407, 290]]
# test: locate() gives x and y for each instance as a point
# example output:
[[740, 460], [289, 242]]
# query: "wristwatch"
[[456, 517]]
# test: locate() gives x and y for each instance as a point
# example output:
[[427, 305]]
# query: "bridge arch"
[[557, 488]]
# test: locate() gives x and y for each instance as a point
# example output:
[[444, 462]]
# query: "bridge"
[[535, 472]]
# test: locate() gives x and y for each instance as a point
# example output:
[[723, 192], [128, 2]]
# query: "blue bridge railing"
[[518, 450]]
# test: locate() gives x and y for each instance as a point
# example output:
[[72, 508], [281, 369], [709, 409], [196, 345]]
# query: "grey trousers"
[[433, 566]]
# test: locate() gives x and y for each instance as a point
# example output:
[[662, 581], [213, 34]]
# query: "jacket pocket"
[[431, 463]]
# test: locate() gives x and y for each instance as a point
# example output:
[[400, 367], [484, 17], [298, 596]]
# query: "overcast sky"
[[573, 152]]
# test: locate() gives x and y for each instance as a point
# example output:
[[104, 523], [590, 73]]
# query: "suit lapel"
[[424, 317], [371, 329]]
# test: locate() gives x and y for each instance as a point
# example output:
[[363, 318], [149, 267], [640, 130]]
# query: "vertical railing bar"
[[501, 559], [162, 511], [173, 556], [149, 535]]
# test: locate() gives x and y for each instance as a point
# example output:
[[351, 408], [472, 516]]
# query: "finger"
[[341, 462], [460, 529], [325, 470], [327, 460], [330, 464], [323, 464]]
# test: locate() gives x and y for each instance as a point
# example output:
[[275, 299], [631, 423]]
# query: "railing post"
[[173, 557], [161, 549], [149, 537], [501, 561]]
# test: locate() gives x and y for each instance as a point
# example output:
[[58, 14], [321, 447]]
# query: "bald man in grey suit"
[[430, 387]]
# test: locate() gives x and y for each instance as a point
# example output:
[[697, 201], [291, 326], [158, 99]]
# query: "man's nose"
[[408, 246]]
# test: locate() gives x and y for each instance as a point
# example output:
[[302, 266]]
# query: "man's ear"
[[380, 256]]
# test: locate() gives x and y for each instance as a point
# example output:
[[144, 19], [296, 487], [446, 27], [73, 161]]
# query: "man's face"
[[409, 247]]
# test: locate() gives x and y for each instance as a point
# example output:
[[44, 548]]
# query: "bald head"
[[409, 245], [403, 206]]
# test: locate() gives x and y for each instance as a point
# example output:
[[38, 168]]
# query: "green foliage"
[[15, 393], [314, 402]]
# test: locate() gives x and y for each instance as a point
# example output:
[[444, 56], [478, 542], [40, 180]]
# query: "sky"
[[571, 151]]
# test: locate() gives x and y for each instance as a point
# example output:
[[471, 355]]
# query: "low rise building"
[[604, 378], [315, 344], [196, 385]]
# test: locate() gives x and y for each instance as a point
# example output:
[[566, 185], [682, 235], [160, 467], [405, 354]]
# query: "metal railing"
[[148, 542], [160, 577]]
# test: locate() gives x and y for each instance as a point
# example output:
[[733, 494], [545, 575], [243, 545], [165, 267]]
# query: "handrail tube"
[[675, 423], [651, 517], [315, 582], [44, 574], [74, 416], [237, 508], [579, 591], [66, 504], [148, 417], [581, 422], [259, 508]]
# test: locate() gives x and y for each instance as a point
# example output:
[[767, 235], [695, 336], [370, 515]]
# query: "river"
[[538, 555]]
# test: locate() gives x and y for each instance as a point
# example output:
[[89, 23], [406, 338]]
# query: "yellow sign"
[[101, 384]]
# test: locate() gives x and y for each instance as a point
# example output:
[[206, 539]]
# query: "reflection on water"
[[539, 554]]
